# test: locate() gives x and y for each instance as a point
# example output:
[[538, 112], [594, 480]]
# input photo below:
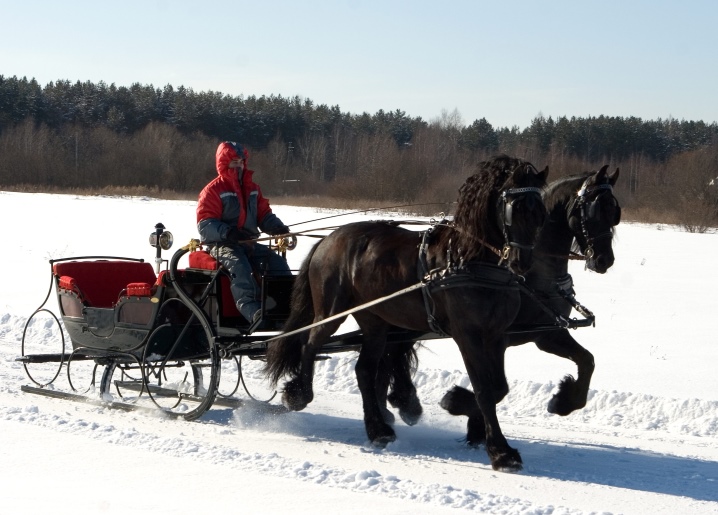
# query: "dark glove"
[[282, 229], [236, 235]]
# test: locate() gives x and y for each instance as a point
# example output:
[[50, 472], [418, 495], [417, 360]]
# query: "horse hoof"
[[509, 467], [412, 413], [292, 404], [410, 409], [568, 398], [459, 401], [410, 418], [558, 405], [380, 436], [554, 406], [509, 461], [293, 398], [381, 442]]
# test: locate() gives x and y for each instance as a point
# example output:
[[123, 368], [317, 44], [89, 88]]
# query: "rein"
[[372, 209], [307, 232], [361, 307], [571, 255]]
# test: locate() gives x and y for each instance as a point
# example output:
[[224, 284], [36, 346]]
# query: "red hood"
[[225, 154]]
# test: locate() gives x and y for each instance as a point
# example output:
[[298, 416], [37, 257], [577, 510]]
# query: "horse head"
[[500, 210], [592, 216], [521, 213]]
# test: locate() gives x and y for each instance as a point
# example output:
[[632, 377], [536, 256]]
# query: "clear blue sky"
[[504, 60]]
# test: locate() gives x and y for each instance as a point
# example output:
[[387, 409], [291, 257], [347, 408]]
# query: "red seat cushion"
[[163, 278], [139, 290], [69, 283], [202, 259]]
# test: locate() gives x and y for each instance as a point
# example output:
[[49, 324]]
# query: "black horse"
[[582, 212], [468, 296]]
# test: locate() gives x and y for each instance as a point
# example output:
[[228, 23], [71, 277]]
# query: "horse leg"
[[485, 368], [370, 356], [572, 393], [298, 392], [383, 380], [460, 401], [403, 395]]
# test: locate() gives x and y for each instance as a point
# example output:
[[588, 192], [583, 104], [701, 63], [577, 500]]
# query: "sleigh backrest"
[[99, 283]]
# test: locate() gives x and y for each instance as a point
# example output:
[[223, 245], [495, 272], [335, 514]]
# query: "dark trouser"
[[239, 260]]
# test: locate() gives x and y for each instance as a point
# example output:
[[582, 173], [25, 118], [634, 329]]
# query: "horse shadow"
[[622, 467], [601, 464]]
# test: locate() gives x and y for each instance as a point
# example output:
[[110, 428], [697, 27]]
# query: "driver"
[[230, 213]]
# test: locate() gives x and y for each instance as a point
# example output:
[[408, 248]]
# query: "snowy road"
[[646, 443]]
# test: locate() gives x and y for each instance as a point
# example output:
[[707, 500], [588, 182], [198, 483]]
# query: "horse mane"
[[475, 217], [560, 191]]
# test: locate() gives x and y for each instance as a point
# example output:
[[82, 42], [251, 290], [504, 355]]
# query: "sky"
[[507, 61], [646, 443]]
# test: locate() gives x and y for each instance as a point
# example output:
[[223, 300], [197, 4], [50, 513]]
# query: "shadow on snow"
[[601, 464]]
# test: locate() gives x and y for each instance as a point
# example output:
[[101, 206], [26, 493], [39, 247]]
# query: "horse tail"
[[402, 361], [284, 354]]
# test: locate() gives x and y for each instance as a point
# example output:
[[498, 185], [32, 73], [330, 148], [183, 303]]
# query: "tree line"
[[90, 136]]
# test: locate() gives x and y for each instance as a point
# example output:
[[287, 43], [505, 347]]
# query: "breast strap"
[[472, 274]]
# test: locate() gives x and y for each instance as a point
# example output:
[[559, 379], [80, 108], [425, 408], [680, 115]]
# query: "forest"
[[92, 138]]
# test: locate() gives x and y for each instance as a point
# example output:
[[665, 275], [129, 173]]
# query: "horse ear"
[[543, 174], [601, 173], [613, 177]]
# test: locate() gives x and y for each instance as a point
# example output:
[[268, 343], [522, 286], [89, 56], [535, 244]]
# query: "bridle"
[[509, 198], [590, 210]]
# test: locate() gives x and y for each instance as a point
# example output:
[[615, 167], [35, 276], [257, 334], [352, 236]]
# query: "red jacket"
[[225, 202]]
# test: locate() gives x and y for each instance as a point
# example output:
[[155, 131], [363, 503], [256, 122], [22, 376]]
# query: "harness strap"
[[563, 288], [570, 296], [424, 273], [578, 202], [473, 274], [506, 198]]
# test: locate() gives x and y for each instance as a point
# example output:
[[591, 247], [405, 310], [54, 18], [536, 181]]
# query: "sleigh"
[[141, 337]]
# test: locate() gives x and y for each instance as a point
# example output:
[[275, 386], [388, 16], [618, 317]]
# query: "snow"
[[646, 443]]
